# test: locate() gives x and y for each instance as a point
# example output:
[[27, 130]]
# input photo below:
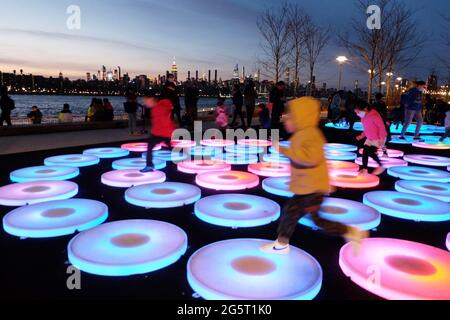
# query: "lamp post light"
[[341, 60]]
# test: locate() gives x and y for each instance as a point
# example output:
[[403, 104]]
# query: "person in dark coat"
[[250, 96], [6, 105], [238, 102], [277, 99]]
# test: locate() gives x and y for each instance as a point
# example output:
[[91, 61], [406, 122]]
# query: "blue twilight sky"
[[143, 36]]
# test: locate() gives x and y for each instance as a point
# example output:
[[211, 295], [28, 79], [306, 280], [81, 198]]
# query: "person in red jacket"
[[162, 125]]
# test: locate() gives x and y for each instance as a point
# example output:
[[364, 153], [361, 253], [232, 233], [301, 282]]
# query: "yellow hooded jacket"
[[309, 167]]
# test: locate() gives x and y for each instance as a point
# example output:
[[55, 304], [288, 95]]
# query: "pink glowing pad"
[[342, 166], [398, 269], [431, 145], [353, 180], [390, 152], [427, 160], [201, 166], [228, 180], [139, 147], [254, 143], [183, 143], [387, 162], [131, 177], [270, 169], [217, 143]]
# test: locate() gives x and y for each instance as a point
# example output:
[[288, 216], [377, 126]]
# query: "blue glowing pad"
[[244, 149], [25, 193], [237, 158], [387, 162], [340, 147], [340, 155], [238, 270], [44, 173], [204, 151], [419, 173], [131, 177], [237, 210], [347, 212], [163, 195], [436, 190], [107, 153], [72, 160], [126, 248], [408, 206], [55, 218], [283, 144], [425, 129], [137, 163], [276, 158], [427, 160], [278, 186], [168, 155], [340, 126], [397, 140]]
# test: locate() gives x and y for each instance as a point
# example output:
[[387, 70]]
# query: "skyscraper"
[[88, 76], [236, 72], [174, 69]]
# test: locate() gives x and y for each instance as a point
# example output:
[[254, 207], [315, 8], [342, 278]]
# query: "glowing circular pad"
[[419, 173], [236, 158], [138, 147], [340, 155], [427, 160], [127, 248], [436, 190], [107, 153], [229, 180], [391, 153], [204, 151], [447, 242], [276, 158], [244, 149], [254, 143], [340, 147], [353, 180], [131, 177], [137, 163], [387, 162], [404, 270], [279, 186], [237, 210], [408, 206], [200, 166], [217, 143], [342, 166], [183, 143], [435, 145], [72, 160], [238, 270], [55, 218], [269, 169], [20, 194], [163, 195], [44, 173], [397, 140], [347, 212], [167, 155]]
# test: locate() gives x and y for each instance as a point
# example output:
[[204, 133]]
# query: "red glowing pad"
[[227, 180], [353, 180], [138, 147], [183, 143], [269, 169], [255, 143], [342, 166], [201, 166]]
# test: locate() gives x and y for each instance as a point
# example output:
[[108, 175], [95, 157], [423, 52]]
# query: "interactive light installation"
[[44, 173], [342, 166], [255, 143], [217, 143], [244, 149], [139, 147], [163, 195], [131, 177], [55, 218], [72, 160], [270, 169], [137, 163], [278, 186], [353, 180], [200, 166], [237, 210], [204, 151], [25, 193], [107, 153], [228, 180], [387, 162], [397, 140], [167, 155], [432, 145], [340, 155], [236, 158], [276, 158], [419, 173], [238, 270], [408, 206], [126, 248], [341, 147], [426, 160], [183, 144], [402, 270], [284, 144], [436, 190]]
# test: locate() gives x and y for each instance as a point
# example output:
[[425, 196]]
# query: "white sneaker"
[[379, 171], [275, 248], [363, 172], [355, 236]]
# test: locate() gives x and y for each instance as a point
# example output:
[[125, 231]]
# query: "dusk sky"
[[143, 36]]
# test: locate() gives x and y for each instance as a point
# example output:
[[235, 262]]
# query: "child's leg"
[[330, 227], [152, 142], [373, 153], [365, 158]]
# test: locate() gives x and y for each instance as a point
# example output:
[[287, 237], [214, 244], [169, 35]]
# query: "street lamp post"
[[341, 60]]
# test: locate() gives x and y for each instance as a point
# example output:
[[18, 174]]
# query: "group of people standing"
[[100, 110]]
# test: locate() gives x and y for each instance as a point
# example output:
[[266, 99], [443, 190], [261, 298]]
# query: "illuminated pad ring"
[[397, 140], [276, 158], [200, 166], [44, 173], [255, 143], [237, 210], [24, 193], [163, 195], [342, 166], [131, 177], [204, 151], [346, 212], [168, 155], [279, 186], [284, 144], [238, 270], [447, 242], [427, 160], [269, 169], [139, 147], [55, 218], [352, 180], [405, 270], [244, 149], [408, 206], [387, 162], [432, 145], [126, 248], [236, 158], [137, 163], [107, 153], [183, 143], [72, 160], [229, 180], [217, 143], [419, 173], [341, 147], [340, 155], [391, 153], [436, 190]]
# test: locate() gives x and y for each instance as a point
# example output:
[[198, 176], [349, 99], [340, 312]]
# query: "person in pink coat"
[[375, 134]]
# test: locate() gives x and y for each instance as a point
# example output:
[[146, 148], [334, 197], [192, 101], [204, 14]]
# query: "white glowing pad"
[[107, 153], [340, 155], [131, 177], [201, 166], [217, 143], [391, 153], [342, 166], [408, 206], [426, 160], [168, 155], [183, 143], [255, 143], [44, 173], [137, 163], [435, 145], [283, 144], [20, 194], [138, 147], [238, 270], [340, 147], [72, 160], [276, 158], [270, 169], [231, 180], [387, 162], [55, 218], [126, 248], [237, 210], [447, 242], [353, 180], [419, 173], [203, 151], [236, 158], [279, 186], [244, 149], [437, 190], [163, 195], [347, 212], [398, 269]]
